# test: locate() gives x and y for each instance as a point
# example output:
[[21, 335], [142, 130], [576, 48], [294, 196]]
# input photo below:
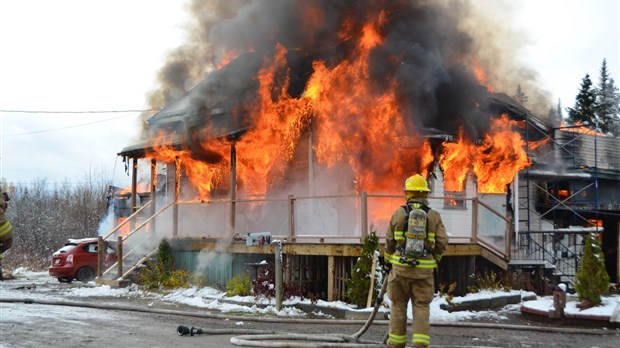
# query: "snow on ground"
[[544, 304], [213, 299]]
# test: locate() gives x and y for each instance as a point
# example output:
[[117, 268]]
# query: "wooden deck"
[[331, 263]]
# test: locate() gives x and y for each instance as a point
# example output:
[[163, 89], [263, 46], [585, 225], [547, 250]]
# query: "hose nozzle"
[[184, 331]]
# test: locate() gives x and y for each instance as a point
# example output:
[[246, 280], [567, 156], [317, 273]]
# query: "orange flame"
[[495, 162], [481, 75], [203, 176], [533, 145], [264, 151], [455, 161], [125, 229], [578, 127], [500, 157], [225, 58], [350, 122]]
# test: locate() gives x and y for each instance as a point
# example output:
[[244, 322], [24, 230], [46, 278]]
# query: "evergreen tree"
[[585, 105], [592, 280], [607, 103], [520, 96], [358, 285]]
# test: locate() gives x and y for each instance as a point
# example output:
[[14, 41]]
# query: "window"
[[454, 199], [91, 248]]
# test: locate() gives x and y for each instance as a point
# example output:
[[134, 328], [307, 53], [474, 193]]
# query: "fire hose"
[[260, 338]]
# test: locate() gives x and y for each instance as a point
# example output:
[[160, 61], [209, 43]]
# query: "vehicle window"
[[67, 248], [91, 248], [109, 250]]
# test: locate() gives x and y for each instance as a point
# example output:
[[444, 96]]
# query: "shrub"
[[239, 285], [592, 280], [488, 281], [359, 284], [265, 283], [447, 291], [161, 271], [177, 278]]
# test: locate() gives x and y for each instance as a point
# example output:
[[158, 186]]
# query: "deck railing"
[[334, 219]]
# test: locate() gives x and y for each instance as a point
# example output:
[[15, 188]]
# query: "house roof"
[[210, 110], [215, 107]]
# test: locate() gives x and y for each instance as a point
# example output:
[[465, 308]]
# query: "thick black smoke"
[[430, 49]]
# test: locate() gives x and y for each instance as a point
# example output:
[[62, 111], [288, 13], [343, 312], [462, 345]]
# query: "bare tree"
[[44, 216]]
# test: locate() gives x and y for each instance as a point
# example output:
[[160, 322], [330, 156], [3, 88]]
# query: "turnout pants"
[[6, 236], [400, 290]]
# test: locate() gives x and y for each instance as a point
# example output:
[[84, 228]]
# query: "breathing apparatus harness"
[[416, 234]]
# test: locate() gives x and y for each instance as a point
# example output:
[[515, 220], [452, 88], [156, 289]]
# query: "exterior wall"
[[456, 219], [218, 267], [579, 149]]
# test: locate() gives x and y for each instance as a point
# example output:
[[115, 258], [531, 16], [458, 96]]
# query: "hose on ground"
[[378, 303], [292, 340], [490, 326], [184, 331], [251, 338]]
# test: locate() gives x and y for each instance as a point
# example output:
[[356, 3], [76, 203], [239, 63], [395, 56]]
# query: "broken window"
[[454, 199]]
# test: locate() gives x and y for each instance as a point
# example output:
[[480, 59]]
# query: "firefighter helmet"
[[416, 183]]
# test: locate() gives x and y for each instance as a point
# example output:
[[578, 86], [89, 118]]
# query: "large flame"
[[351, 122], [203, 176], [500, 157], [495, 161]]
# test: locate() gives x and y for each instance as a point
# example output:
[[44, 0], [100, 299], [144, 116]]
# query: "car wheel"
[[85, 274], [65, 280]]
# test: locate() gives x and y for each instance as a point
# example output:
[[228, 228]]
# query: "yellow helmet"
[[416, 183]]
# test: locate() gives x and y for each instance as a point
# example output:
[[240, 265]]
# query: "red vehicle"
[[78, 260]]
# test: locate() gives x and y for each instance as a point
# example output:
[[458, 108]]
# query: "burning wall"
[[368, 80]]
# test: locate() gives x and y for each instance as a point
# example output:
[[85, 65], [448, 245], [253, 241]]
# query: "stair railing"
[[133, 233]]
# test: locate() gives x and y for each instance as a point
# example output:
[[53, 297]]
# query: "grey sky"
[[105, 55]]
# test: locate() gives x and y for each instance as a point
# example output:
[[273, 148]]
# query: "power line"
[[67, 127], [75, 112]]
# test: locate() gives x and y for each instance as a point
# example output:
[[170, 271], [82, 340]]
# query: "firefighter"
[[6, 230], [415, 241]]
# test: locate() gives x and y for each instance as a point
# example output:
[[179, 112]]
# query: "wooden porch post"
[[119, 257], [330, 278], [364, 213], [618, 253], [233, 188], [134, 193], [134, 185], [291, 218], [99, 257], [153, 191], [177, 189], [474, 220], [507, 239]]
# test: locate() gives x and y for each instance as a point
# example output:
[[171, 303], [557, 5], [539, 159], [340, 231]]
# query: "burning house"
[[306, 121]]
